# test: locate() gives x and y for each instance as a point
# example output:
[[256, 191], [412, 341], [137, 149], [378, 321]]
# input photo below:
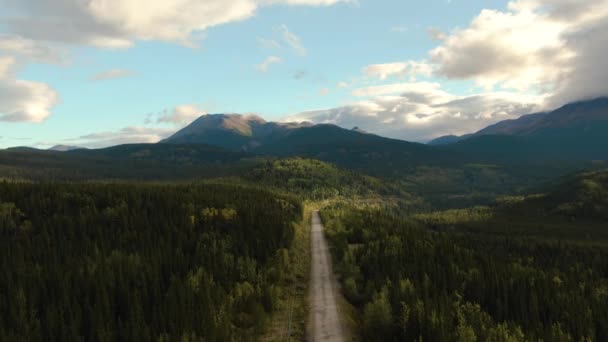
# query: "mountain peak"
[[64, 148], [232, 131], [568, 116], [357, 129], [232, 122]]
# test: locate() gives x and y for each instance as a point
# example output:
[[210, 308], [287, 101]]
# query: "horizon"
[[120, 73], [256, 116]]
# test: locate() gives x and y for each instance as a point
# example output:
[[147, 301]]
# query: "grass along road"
[[289, 322]]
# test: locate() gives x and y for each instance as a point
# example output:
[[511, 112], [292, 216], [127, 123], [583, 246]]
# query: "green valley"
[[206, 236]]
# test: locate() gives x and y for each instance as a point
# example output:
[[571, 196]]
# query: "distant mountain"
[[520, 125], [349, 147], [448, 139], [316, 179], [64, 148], [574, 132], [575, 115], [357, 129], [354, 148], [193, 154], [232, 131], [578, 142], [124, 162], [22, 149], [574, 135]]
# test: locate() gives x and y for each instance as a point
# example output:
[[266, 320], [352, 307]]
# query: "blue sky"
[[318, 53]]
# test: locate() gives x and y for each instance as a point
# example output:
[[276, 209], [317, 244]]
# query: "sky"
[[96, 73]]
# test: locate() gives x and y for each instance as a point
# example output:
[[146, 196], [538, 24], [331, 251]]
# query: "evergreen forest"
[[119, 262]]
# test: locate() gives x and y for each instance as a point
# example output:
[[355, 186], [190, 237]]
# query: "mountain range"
[[570, 116], [351, 148], [576, 131]]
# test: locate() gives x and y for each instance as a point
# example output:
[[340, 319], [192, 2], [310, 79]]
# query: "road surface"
[[324, 322]]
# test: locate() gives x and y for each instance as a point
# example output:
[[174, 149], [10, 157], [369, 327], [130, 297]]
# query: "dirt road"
[[324, 323]]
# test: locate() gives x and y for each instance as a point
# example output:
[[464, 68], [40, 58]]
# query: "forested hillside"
[[527, 267], [431, 243], [574, 209], [584, 196], [584, 141], [316, 180], [140, 262], [409, 282], [141, 162]]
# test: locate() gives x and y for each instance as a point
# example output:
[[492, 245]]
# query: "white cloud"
[[324, 91], [180, 115], [305, 2], [396, 88], [517, 49], [119, 23], [585, 74], [343, 85], [29, 49], [399, 69], [292, 40], [268, 43], [530, 47], [126, 135], [157, 126], [263, 67], [384, 71], [112, 74], [422, 111], [23, 101], [7, 65], [26, 101]]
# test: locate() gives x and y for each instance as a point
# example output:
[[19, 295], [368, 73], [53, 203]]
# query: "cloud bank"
[[119, 23], [421, 111], [157, 126], [126, 135], [549, 47], [399, 69]]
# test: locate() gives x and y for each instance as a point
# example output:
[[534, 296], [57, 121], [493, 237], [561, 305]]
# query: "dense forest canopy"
[[477, 251], [140, 262], [316, 180], [531, 267]]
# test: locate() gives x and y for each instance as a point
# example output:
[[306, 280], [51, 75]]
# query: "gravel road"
[[324, 323]]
